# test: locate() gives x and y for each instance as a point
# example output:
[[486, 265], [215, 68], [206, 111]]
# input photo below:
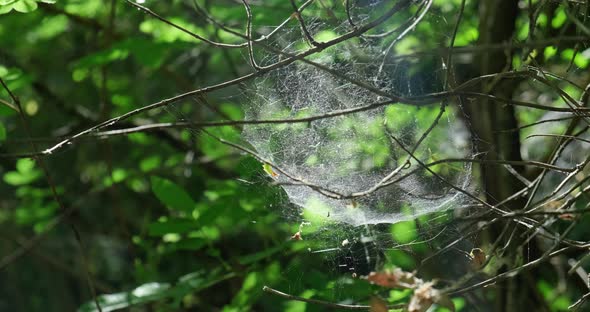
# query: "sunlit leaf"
[[25, 174], [25, 6], [268, 169], [25, 165], [140, 295], [18, 178], [151, 292], [404, 232]]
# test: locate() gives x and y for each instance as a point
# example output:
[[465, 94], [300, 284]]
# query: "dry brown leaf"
[[478, 258], [394, 279], [377, 305], [424, 296], [352, 204], [566, 216], [297, 236]]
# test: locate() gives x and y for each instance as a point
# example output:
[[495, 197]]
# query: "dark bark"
[[498, 25]]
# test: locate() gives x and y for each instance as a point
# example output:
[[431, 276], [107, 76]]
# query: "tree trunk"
[[497, 25]]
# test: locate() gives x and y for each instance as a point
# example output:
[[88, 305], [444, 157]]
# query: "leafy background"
[[170, 219]]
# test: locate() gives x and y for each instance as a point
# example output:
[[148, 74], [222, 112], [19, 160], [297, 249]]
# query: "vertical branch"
[[450, 73], [249, 36], [304, 29], [497, 25]]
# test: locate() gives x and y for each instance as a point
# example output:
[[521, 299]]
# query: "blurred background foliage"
[[172, 219]]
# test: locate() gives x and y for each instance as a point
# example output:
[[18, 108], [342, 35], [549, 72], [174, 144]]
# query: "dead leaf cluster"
[[423, 297]]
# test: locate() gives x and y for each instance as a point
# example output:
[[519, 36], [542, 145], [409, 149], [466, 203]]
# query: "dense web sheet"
[[349, 168]]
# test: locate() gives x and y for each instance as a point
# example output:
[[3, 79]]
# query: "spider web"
[[351, 168], [348, 179], [381, 189]]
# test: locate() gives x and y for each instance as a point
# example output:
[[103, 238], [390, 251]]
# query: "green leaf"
[[150, 163], [5, 8], [147, 53], [2, 133], [268, 169], [25, 174], [580, 59], [102, 58], [172, 226], [119, 175], [140, 295], [164, 33], [265, 254], [8, 109], [18, 178], [25, 6], [559, 19], [50, 27], [146, 293], [172, 195], [193, 243], [404, 232], [25, 165]]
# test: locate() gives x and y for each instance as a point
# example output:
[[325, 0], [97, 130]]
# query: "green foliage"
[[25, 173], [173, 295], [2, 133], [404, 232], [171, 195], [22, 6], [558, 302]]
